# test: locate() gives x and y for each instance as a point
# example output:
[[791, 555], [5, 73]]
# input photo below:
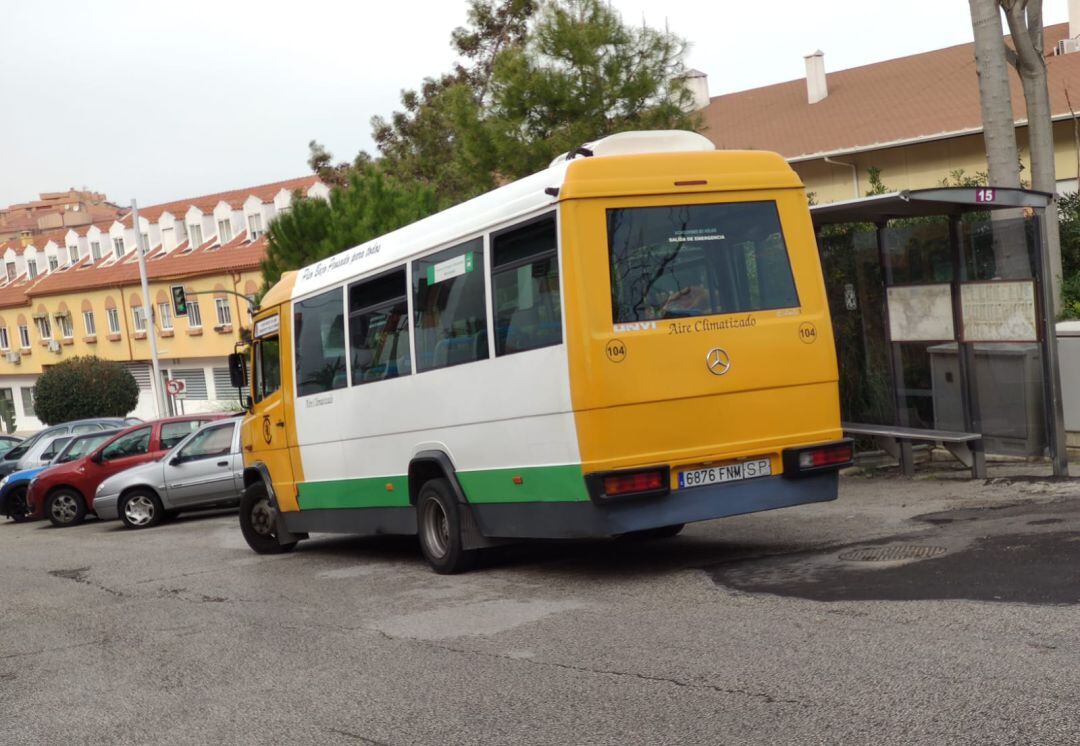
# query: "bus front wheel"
[[439, 526], [258, 521]]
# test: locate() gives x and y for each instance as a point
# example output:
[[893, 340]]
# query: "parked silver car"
[[16, 459], [202, 471]]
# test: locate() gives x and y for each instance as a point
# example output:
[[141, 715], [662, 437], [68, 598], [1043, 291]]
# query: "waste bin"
[[1009, 391], [1068, 333]]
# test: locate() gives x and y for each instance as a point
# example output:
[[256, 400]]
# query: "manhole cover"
[[891, 554]]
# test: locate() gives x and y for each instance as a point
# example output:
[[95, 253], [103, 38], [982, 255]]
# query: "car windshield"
[[20, 450], [82, 446]]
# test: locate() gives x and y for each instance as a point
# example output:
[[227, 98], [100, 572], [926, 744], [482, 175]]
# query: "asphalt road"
[[799, 626]]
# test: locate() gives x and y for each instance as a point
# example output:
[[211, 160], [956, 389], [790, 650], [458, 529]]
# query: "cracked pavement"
[[744, 631]]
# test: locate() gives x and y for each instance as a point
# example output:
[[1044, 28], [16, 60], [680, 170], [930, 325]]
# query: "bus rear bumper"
[[586, 519]]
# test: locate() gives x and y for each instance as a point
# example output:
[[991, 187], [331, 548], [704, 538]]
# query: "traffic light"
[[179, 300]]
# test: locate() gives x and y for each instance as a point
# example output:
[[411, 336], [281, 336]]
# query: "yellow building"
[[77, 292], [916, 118]]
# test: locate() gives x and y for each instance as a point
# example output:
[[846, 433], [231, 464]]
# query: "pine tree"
[[366, 206], [539, 78]]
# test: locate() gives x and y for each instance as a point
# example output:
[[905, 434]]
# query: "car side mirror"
[[176, 460], [96, 457]]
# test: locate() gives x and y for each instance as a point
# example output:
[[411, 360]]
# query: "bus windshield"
[[697, 260]]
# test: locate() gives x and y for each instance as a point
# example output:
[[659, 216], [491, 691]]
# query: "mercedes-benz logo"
[[718, 361]]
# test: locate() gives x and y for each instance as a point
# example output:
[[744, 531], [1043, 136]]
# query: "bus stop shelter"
[[944, 321]]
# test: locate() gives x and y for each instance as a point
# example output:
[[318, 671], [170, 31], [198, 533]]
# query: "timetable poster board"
[[999, 311], [921, 313]]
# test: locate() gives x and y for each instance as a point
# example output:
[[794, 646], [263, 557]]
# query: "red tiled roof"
[[236, 256], [235, 198], [905, 99]]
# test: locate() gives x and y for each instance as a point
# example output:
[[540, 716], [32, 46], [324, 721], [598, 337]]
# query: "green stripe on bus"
[[538, 484], [370, 492], [543, 484]]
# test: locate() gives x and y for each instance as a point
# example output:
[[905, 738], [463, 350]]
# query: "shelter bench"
[[897, 442]]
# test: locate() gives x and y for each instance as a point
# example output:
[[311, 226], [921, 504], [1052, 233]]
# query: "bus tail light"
[[636, 483], [825, 457]]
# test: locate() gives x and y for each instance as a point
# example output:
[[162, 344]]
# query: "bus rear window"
[[697, 260]]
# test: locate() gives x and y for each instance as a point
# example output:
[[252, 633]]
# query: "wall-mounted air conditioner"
[[1067, 46], [54, 346], [14, 358]]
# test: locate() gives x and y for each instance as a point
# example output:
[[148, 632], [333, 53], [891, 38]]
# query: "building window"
[[195, 235], [224, 229], [194, 315], [145, 242], [31, 267], [320, 343], [24, 336], [224, 312], [165, 316], [4, 338], [44, 327], [138, 316], [73, 252], [10, 271], [379, 328], [118, 246], [95, 250], [449, 307], [66, 327], [28, 401], [113, 317], [255, 225], [88, 322]]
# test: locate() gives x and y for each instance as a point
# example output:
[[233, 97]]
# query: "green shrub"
[[84, 387]]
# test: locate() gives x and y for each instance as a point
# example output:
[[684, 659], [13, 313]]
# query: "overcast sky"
[[162, 101]]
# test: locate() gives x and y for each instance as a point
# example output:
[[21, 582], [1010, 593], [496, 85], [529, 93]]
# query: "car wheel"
[[16, 507], [439, 525], [141, 509], [258, 521], [65, 507]]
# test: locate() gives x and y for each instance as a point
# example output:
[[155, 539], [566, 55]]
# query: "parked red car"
[[65, 493]]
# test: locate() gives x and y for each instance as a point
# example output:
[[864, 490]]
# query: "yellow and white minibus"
[[633, 339]]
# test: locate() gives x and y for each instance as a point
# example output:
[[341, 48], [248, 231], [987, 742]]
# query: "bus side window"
[[525, 287], [379, 328], [449, 307], [320, 343]]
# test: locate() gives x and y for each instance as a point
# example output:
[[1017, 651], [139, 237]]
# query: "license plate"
[[757, 467]]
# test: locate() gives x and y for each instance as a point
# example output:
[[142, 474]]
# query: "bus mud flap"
[[284, 535], [471, 538]]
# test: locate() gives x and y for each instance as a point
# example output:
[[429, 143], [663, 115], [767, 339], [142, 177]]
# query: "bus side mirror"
[[237, 372], [248, 403]]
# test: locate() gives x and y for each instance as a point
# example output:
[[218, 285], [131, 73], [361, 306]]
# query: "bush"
[[84, 387], [1069, 218]]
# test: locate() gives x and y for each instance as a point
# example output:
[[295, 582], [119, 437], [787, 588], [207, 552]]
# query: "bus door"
[[268, 428]]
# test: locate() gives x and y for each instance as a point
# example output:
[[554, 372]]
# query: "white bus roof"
[[498, 206]]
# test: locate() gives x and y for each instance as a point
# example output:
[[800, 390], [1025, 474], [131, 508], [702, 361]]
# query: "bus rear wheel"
[[438, 523], [258, 521]]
